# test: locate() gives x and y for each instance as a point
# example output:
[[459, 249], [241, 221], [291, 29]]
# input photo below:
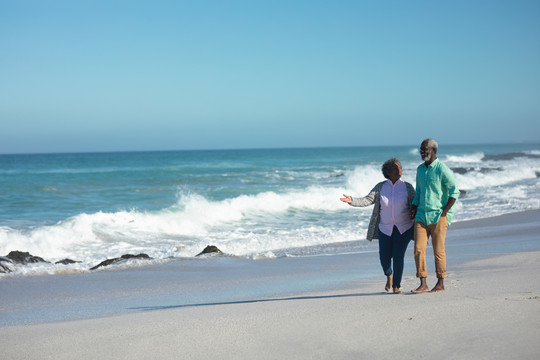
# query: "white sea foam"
[[362, 179], [247, 224], [463, 159], [496, 177]]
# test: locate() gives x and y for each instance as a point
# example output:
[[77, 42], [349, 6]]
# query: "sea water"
[[254, 204]]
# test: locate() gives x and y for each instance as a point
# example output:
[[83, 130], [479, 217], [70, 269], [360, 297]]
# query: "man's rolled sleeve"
[[450, 183]]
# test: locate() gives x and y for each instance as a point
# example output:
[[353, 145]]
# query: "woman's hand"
[[346, 199]]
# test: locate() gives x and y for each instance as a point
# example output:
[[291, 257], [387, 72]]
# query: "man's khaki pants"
[[438, 234]]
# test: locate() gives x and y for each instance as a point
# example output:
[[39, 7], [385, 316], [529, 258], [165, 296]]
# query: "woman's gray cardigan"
[[374, 197]]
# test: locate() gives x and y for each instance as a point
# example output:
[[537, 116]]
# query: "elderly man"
[[432, 209]]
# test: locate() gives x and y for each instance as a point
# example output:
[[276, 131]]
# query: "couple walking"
[[401, 213]]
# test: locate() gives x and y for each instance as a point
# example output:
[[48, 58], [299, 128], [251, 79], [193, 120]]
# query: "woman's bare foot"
[[397, 291], [388, 285], [422, 288], [439, 286]]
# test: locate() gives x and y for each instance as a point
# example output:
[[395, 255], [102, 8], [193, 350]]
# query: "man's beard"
[[426, 157]]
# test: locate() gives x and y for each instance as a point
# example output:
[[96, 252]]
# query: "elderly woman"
[[390, 221]]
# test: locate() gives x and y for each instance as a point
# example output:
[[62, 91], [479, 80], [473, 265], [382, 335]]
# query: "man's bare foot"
[[397, 291], [422, 288], [388, 285], [439, 287]]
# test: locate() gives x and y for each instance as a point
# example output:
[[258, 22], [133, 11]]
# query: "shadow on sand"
[[165, 307]]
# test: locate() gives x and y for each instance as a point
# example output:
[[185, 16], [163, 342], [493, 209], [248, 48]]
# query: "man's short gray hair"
[[388, 165], [431, 143]]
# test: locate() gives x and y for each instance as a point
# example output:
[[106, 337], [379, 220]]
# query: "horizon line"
[[531, 142]]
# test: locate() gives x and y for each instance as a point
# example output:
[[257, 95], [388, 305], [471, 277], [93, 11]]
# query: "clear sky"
[[167, 75]]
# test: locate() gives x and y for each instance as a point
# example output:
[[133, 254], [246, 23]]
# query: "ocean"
[[252, 204]]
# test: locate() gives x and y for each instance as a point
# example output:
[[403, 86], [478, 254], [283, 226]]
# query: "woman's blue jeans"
[[394, 248]]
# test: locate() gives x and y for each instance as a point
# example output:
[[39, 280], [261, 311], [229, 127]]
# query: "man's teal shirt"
[[434, 186]]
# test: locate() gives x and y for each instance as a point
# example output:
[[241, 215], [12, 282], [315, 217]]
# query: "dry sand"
[[491, 310]]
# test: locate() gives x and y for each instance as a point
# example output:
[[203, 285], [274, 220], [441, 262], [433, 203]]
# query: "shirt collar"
[[435, 162], [389, 182]]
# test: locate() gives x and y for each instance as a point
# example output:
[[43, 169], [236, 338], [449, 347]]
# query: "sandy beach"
[[490, 310]]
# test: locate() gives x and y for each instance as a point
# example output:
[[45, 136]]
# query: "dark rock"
[[462, 193], [24, 258], [509, 156], [486, 170], [462, 170], [538, 174], [67, 262], [120, 259], [210, 249]]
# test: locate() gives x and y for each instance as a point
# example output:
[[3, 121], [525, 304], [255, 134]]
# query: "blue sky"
[[165, 75]]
